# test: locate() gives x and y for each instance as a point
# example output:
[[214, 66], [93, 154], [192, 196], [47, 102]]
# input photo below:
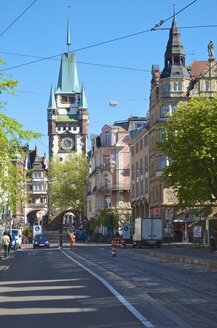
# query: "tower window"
[[64, 99]]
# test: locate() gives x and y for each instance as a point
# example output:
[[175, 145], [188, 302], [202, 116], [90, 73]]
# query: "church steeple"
[[174, 54]]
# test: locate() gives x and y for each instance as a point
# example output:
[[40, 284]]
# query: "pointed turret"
[[174, 56], [83, 99], [52, 101]]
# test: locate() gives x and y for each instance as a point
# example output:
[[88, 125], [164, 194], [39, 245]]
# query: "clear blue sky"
[[41, 31]]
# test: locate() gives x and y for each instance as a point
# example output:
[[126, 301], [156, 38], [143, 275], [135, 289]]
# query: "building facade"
[[109, 172], [139, 194], [175, 83]]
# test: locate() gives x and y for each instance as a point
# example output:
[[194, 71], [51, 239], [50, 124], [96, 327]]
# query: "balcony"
[[104, 166], [36, 205], [120, 186]]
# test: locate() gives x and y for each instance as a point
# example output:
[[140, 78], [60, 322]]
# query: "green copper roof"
[[67, 118], [68, 75], [83, 100], [52, 101]]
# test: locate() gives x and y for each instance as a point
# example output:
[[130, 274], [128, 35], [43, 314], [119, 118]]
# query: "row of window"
[[68, 99], [177, 86], [139, 167], [139, 188], [139, 145], [37, 187], [69, 128]]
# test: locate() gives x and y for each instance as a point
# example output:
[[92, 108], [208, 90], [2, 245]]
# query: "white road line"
[[129, 306]]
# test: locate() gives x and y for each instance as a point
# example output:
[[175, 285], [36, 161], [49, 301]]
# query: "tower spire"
[[174, 10], [174, 54], [68, 34]]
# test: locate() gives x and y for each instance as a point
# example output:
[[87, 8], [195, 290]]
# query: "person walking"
[[72, 239], [5, 243], [10, 244]]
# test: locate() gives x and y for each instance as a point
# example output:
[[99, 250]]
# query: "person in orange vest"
[[72, 239]]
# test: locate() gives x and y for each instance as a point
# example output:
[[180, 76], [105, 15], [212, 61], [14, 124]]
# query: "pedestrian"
[[72, 239], [5, 243], [10, 244]]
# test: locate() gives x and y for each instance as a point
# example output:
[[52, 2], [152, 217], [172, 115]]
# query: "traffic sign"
[[169, 214], [157, 212], [37, 229], [126, 232]]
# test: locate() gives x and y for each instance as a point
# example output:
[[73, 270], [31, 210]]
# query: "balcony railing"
[[38, 205]]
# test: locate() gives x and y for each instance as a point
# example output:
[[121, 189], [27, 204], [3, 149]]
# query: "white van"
[[18, 236]]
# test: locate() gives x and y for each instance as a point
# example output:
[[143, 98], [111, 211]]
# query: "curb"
[[184, 259]]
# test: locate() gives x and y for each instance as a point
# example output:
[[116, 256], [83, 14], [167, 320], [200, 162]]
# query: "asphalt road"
[[87, 287], [45, 288]]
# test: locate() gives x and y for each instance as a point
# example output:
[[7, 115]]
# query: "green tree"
[[107, 217], [190, 141], [67, 183], [13, 139]]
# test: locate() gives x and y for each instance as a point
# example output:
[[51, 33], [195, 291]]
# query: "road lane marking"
[[31, 311], [129, 306]]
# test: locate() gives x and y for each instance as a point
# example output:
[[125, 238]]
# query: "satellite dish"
[[113, 103]]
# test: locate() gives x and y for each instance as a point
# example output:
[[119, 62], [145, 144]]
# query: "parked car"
[[13, 242], [41, 240], [18, 235]]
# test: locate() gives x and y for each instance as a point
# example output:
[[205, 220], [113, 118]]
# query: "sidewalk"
[[185, 253]]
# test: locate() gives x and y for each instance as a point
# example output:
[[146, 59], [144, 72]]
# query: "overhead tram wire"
[[104, 42], [9, 26], [78, 62]]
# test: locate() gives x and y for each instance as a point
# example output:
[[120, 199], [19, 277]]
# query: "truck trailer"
[[148, 232]]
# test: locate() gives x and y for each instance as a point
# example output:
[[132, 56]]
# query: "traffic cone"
[[113, 252]]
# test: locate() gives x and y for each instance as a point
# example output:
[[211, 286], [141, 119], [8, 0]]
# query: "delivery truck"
[[148, 232]]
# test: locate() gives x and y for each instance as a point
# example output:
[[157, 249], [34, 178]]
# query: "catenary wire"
[[14, 21], [104, 42]]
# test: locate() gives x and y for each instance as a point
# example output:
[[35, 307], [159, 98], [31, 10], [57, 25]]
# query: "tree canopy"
[[190, 141], [13, 139], [67, 182]]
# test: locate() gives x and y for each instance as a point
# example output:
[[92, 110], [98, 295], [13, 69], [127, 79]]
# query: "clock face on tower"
[[67, 143]]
